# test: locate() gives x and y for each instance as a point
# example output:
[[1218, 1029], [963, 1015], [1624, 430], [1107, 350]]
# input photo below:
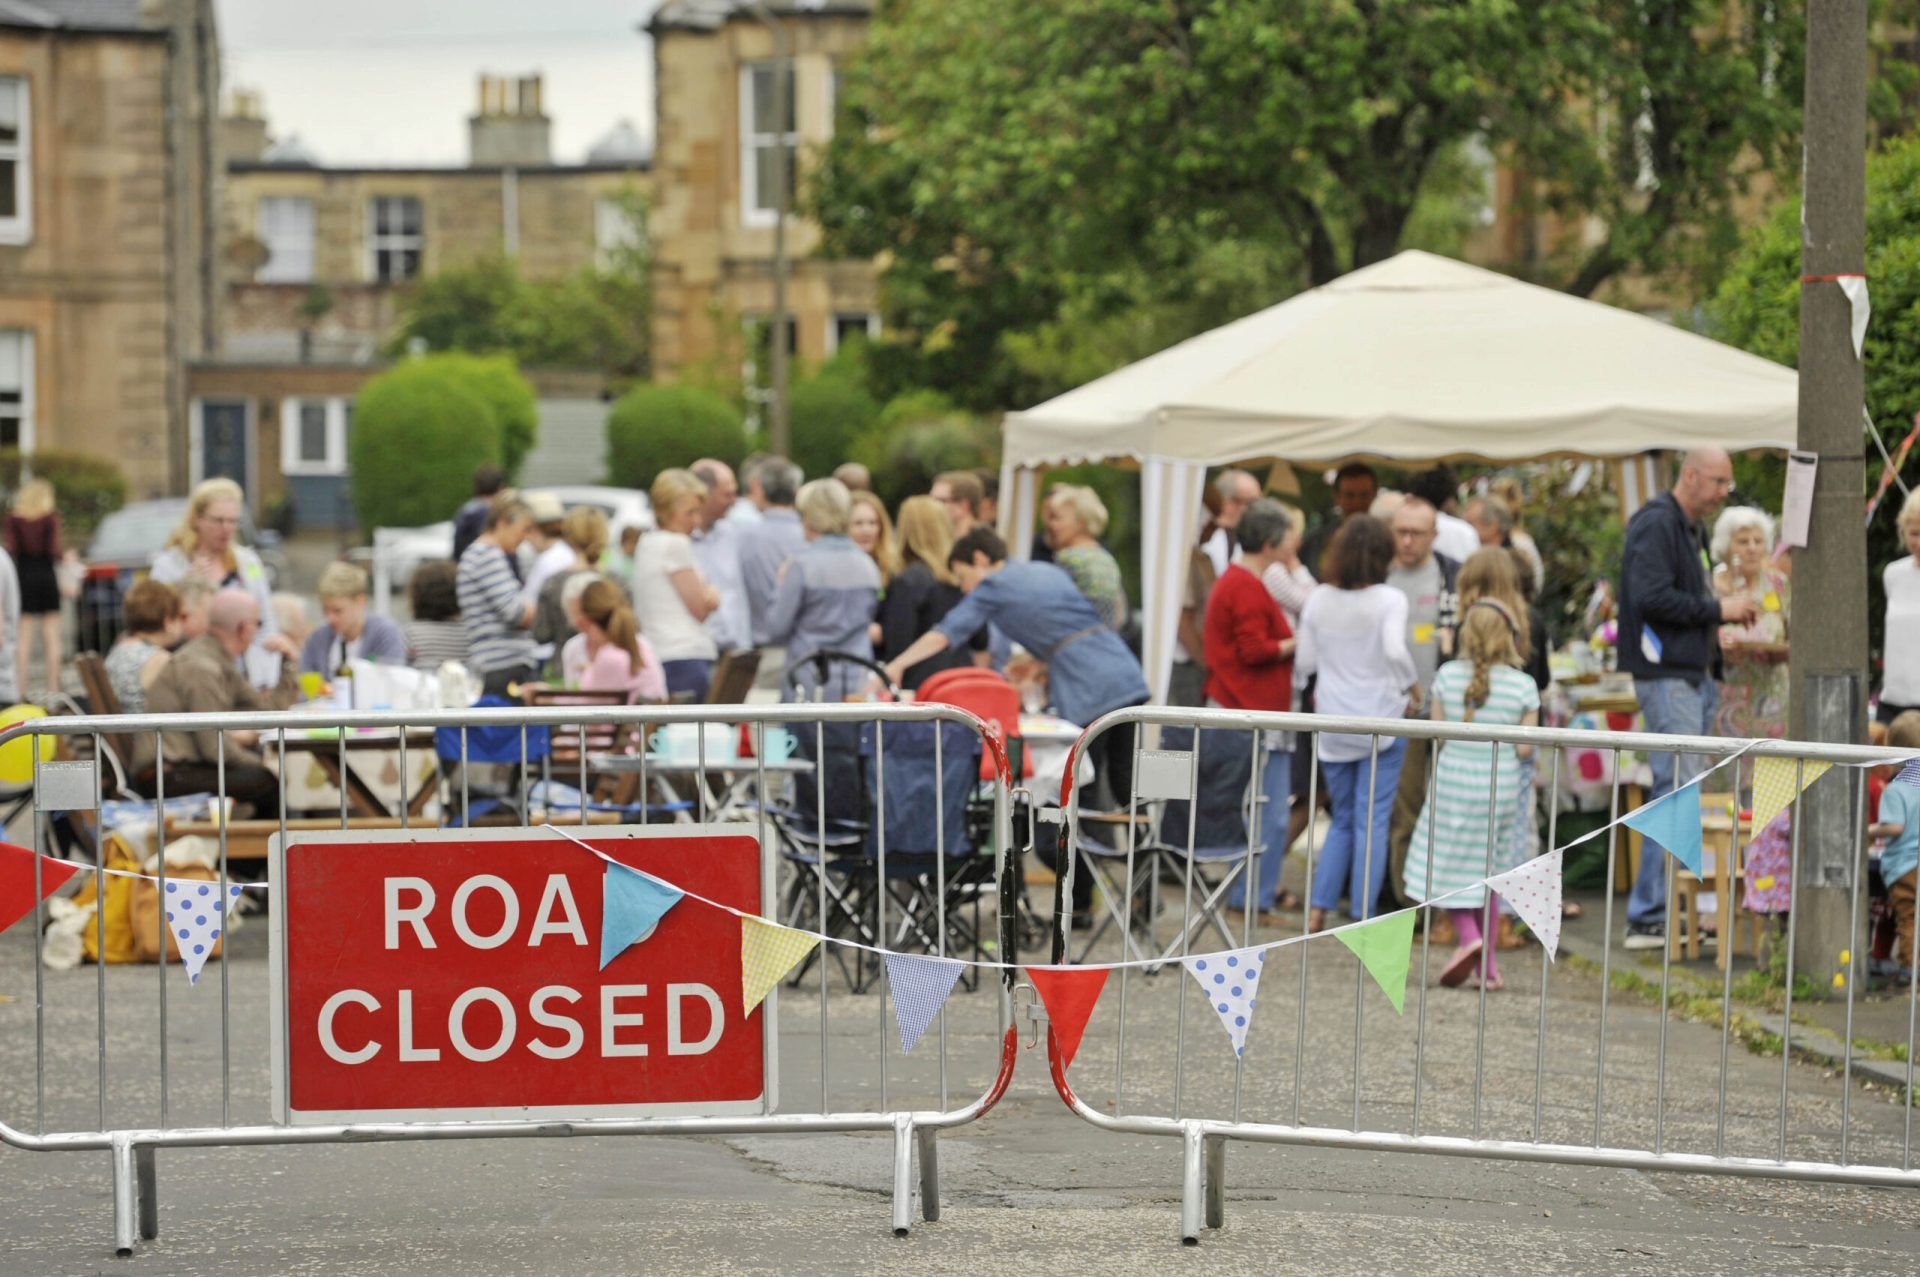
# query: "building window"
[[394, 240], [16, 167], [313, 435], [850, 324], [16, 389], [768, 140], [618, 231], [286, 228]]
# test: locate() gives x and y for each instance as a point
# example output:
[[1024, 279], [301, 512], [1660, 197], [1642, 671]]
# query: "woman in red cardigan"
[[1249, 650]]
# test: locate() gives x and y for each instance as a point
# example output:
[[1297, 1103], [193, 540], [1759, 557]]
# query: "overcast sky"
[[393, 81]]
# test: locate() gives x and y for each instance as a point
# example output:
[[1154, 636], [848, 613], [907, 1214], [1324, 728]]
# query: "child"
[[1899, 824], [1455, 827]]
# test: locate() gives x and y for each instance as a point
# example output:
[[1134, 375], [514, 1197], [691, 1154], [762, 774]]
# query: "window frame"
[[379, 241], [266, 274], [872, 318], [25, 336], [609, 210], [338, 410], [18, 229], [752, 142]]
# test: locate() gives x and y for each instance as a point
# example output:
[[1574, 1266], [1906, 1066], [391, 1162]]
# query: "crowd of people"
[[1412, 602]]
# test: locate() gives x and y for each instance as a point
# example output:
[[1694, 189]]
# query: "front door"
[[223, 440]]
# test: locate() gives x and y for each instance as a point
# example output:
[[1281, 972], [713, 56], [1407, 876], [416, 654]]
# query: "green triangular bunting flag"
[[1385, 947]]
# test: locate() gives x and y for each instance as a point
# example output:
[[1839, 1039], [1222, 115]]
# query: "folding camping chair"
[[487, 768]]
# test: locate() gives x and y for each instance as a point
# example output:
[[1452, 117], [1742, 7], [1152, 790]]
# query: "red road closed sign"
[[456, 974]]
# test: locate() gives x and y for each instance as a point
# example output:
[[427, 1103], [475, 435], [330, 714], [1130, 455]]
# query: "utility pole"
[[1829, 653], [785, 117]]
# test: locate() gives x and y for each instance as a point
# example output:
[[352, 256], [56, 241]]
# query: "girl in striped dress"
[[1474, 785]]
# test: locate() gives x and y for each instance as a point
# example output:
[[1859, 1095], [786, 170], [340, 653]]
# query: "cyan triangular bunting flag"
[[196, 917], [631, 906], [1777, 782], [1673, 821], [1230, 983], [920, 987], [1385, 947], [1533, 890]]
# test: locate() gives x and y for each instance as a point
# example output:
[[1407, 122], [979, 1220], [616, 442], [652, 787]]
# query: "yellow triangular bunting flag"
[[1777, 782], [767, 952]]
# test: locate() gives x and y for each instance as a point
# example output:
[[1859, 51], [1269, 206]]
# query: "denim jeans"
[[1344, 863], [1673, 707], [1276, 775]]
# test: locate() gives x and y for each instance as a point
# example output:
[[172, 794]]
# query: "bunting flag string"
[[16, 881], [1384, 946], [921, 986], [1533, 889], [631, 906], [1231, 984], [1777, 782], [1068, 994], [1673, 821], [767, 952]]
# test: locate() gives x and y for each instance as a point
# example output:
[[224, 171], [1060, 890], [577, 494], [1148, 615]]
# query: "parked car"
[[123, 549], [624, 507]]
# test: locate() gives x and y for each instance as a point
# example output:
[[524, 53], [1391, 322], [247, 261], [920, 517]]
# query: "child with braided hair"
[[1466, 826]]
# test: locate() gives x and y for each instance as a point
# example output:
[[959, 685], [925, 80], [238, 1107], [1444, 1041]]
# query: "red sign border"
[[285, 1115]]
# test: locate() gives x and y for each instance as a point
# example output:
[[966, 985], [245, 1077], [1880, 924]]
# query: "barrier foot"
[[902, 1176], [149, 1185], [1216, 1163], [1191, 1142], [929, 1174], [124, 1193]]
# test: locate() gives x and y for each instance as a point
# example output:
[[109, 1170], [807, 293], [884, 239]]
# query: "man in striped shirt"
[[497, 617]]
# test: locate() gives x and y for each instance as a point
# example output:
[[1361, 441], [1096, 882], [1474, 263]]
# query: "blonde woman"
[[923, 592], [584, 531], [207, 545], [1076, 519], [33, 539], [872, 531], [1506, 489], [670, 596]]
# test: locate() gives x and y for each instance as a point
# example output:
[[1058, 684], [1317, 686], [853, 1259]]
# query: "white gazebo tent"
[[1412, 360]]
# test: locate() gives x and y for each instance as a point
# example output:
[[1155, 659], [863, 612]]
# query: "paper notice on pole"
[[1798, 507], [1855, 287]]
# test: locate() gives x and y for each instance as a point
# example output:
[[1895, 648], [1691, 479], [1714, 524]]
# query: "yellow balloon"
[[16, 756]]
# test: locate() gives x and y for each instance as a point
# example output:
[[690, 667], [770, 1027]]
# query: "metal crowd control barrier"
[[65, 1118], [1407, 1090]]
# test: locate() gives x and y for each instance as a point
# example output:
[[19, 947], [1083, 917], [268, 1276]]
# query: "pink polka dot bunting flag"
[[196, 916], [1230, 982], [1534, 892]]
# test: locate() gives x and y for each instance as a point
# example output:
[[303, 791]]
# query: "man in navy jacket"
[[1670, 642]]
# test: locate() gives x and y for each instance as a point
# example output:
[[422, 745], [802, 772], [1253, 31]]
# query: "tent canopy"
[[1419, 358]]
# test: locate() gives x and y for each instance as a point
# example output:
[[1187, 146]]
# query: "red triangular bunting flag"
[[1069, 994], [16, 881]]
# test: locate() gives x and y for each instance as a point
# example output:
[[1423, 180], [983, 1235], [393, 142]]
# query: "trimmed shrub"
[[827, 412], [86, 488], [496, 381], [654, 428], [419, 432]]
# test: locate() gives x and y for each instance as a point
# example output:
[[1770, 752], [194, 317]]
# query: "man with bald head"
[[207, 675], [716, 550], [1670, 642], [1429, 579]]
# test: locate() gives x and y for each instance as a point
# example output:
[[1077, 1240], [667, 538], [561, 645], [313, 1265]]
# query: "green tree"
[[653, 428], [1053, 186], [827, 411], [1758, 308], [420, 429], [509, 397], [916, 437]]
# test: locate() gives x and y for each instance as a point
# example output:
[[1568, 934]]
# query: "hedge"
[[86, 488], [654, 428], [827, 412], [419, 432], [496, 381]]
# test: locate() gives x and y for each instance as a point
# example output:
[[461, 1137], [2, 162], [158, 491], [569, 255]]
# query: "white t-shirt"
[[1356, 641], [664, 619], [1454, 537], [1901, 685]]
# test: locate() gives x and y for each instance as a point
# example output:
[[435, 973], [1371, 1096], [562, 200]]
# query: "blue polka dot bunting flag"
[[197, 915], [920, 989], [1230, 982]]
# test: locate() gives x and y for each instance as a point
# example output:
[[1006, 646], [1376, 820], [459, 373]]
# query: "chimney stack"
[[243, 127], [510, 128]]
